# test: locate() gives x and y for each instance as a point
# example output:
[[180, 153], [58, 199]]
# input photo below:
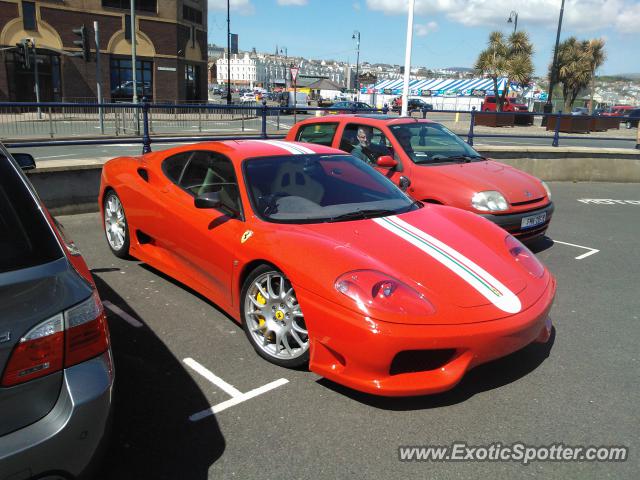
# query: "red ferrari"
[[324, 261]]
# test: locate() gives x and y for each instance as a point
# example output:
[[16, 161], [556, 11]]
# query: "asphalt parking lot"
[[177, 355]]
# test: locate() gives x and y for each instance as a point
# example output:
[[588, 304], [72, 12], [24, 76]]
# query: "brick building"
[[171, 45]]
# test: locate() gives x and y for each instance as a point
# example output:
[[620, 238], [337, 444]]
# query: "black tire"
[[297, 362], [123, 250]]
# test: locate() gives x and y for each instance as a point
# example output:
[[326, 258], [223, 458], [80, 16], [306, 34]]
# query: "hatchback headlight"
[[489, 201], [546, 187]]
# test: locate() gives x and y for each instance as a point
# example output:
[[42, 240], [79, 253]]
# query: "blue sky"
[[447, 33]]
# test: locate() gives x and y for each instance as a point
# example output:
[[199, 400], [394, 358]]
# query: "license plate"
[[533, 220]]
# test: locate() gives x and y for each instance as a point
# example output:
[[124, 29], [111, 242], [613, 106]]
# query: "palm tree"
[[577, 63], [598, 56], [509, 58]]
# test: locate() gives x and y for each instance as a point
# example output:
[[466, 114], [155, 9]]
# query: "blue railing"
[[137, 121]]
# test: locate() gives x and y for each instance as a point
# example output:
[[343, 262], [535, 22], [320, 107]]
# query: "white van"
[[301, 102]]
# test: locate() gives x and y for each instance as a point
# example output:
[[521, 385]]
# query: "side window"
[[320, 133], [491, 99], [174, 166], [365, 142], [211, 172]]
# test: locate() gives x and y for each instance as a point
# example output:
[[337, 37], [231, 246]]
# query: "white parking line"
[[584, 255], [122, 314], [237, 396], [217, 381]]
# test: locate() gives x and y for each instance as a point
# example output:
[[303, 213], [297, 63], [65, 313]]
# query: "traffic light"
[[24, 53], [83, 43]]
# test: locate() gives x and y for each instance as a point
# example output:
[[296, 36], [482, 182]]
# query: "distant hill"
[[632, 76], [460, 69]]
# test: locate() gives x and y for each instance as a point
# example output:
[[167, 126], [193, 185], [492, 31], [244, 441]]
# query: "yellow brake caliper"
[[261, 320]]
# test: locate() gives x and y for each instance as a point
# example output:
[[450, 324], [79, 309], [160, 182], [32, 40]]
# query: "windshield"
[[320, 188], [430, 143]]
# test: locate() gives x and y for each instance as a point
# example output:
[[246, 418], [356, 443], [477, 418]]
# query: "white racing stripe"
[[481, 280], [289, 147]]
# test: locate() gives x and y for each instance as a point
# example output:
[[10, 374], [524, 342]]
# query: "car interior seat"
[[349, 140], [292, 179]]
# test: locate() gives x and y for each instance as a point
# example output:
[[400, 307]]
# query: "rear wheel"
[[272, 318], [116, 228]]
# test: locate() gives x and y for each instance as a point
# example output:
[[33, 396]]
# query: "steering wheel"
[[271, 201]]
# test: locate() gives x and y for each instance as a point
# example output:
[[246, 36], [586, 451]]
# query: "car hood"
[[516, 185], [456, 259]]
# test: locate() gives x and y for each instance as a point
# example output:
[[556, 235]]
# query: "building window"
[[192, 82], [29, 16], [191, 15], [122, 79], [127, 27], [141, 5]]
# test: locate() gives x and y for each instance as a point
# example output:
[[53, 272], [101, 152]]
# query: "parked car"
[[55, 360], [510, 105], [633, 117], [432, 290], [349, 106], [414, 104], [580, 111], [247, 97], [618, 110], [439, 167]]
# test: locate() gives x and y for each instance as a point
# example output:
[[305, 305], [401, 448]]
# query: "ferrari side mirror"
[[25, 160]]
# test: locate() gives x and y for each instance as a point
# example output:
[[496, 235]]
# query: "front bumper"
[[358, 352], [72, 434], [512, 222]]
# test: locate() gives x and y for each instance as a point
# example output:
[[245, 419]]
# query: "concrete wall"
[[571, 163], [73, 188]]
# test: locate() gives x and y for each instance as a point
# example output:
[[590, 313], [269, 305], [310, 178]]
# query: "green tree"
[[597, 55], [506, 57], [577, 63]]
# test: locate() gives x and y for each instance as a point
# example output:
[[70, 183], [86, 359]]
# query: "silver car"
[[56, 368]]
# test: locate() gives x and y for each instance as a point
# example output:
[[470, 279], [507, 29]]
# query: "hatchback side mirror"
[[386, 161], [404, 183], [208, 200], [25, 160]]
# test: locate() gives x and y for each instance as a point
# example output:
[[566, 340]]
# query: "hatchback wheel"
[[116, 228], [272, 318]]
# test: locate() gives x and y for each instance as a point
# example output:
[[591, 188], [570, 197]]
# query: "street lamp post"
[[513, 18], [286, 70], [228, 53], [356, 37], [548, 106]]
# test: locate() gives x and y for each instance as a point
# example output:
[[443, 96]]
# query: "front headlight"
[[546, 187], [524, 257], [489, 201], [379, 295]]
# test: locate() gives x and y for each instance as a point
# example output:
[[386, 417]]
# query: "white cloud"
[[297, 3], [423, 30], [580, 15], [628, 21], [243, 7]]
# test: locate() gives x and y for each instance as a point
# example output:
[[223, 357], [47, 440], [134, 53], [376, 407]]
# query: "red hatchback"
[[435, 166]]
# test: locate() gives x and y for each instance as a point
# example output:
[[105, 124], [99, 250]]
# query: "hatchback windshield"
[[26, 239], [320, 188], [432, 143]]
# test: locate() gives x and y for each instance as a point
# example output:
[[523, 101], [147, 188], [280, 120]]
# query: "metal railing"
[[40, 124]]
